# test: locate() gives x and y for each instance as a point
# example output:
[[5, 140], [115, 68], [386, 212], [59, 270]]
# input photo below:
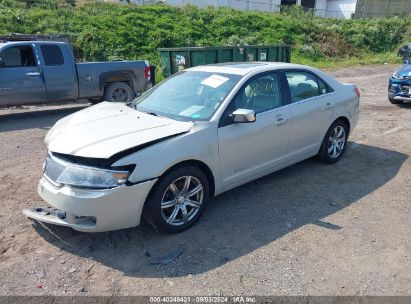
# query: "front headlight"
[[397, 76], [92, 177]]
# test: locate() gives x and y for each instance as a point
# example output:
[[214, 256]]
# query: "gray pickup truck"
[[33, 72]]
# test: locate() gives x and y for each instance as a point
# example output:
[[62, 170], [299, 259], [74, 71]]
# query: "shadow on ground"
[[405, 105], [241, 220], [41, 119]]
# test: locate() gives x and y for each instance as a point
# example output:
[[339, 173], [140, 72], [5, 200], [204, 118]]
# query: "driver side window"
[[260, 95], [20, 56]]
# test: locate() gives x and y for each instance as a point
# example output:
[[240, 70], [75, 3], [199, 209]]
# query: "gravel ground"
[[310, 229]]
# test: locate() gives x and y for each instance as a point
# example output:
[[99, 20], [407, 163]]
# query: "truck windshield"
[[189, 95]]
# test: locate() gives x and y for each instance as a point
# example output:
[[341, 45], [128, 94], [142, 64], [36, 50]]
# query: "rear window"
[[324, 88], [52, 55], [304, 85]]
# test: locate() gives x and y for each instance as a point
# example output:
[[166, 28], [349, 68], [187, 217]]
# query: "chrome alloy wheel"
[[182, 200], [120, 95], [336, 142]]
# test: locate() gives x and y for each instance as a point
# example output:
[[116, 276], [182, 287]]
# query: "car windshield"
[[189, 95]]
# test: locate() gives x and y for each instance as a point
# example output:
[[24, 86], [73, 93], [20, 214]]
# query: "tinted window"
[[261, 94], [308, 3], [52, 55], [20, 56]]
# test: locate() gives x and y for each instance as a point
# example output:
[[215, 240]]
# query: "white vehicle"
[[199, 133]]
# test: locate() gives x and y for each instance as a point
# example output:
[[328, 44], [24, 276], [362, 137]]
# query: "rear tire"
[[118, 92], [178, 199], [334, 142]]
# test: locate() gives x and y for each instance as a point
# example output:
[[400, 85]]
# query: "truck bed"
[[93, 75]]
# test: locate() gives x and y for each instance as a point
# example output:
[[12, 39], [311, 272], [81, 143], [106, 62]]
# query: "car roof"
[[243, 68], [29, 42]]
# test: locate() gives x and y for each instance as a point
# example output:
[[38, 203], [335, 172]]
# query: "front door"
[[21, 80], [248, 150]]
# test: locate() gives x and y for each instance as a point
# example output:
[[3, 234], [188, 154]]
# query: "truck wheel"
[[118, 92]]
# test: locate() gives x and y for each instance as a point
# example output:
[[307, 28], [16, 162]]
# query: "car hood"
[[108, 128], [404, 70]]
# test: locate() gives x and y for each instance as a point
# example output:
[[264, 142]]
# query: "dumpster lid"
[[210, 48]]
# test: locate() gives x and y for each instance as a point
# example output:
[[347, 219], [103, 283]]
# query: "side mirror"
[[243, 116], [407, 61]]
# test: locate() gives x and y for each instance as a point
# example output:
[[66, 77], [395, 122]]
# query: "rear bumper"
[[92, 210]]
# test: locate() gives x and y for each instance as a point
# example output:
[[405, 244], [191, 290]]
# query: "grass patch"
[[365, 59]]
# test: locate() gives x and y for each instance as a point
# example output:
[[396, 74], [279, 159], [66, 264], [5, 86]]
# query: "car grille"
[[53, 168]]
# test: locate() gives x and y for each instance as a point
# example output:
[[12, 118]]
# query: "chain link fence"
[[382, 8]]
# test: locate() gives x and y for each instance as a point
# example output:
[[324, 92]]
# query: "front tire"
[[334, 142], [178, 199], [118, 92]]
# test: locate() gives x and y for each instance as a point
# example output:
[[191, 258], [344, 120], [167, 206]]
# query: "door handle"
[[280, 121], [33, 74], [328, 105]]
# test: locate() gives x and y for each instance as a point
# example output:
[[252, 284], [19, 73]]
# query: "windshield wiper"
[[131, 105], [147, 112], [152, 113]]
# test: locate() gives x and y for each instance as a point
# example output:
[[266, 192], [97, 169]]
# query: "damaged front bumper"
[[400, 97], [399, 90], [91, 210]]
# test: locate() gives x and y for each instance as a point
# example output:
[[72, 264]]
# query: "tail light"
[[147, 72], [356, 91]]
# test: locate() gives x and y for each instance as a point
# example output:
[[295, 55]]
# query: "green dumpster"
[[177, 59]]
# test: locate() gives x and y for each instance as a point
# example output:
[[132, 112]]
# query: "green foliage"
[[6, 3], [311, 52], [104, 31], [45, 4]]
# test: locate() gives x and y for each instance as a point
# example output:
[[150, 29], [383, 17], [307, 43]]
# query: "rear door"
[[21, 77], [59, 72], [311, 111], [248, 150]]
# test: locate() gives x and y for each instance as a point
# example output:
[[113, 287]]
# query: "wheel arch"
[[196, 163], [342, 118], [108, 78], [190, 162], [346, 121]]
